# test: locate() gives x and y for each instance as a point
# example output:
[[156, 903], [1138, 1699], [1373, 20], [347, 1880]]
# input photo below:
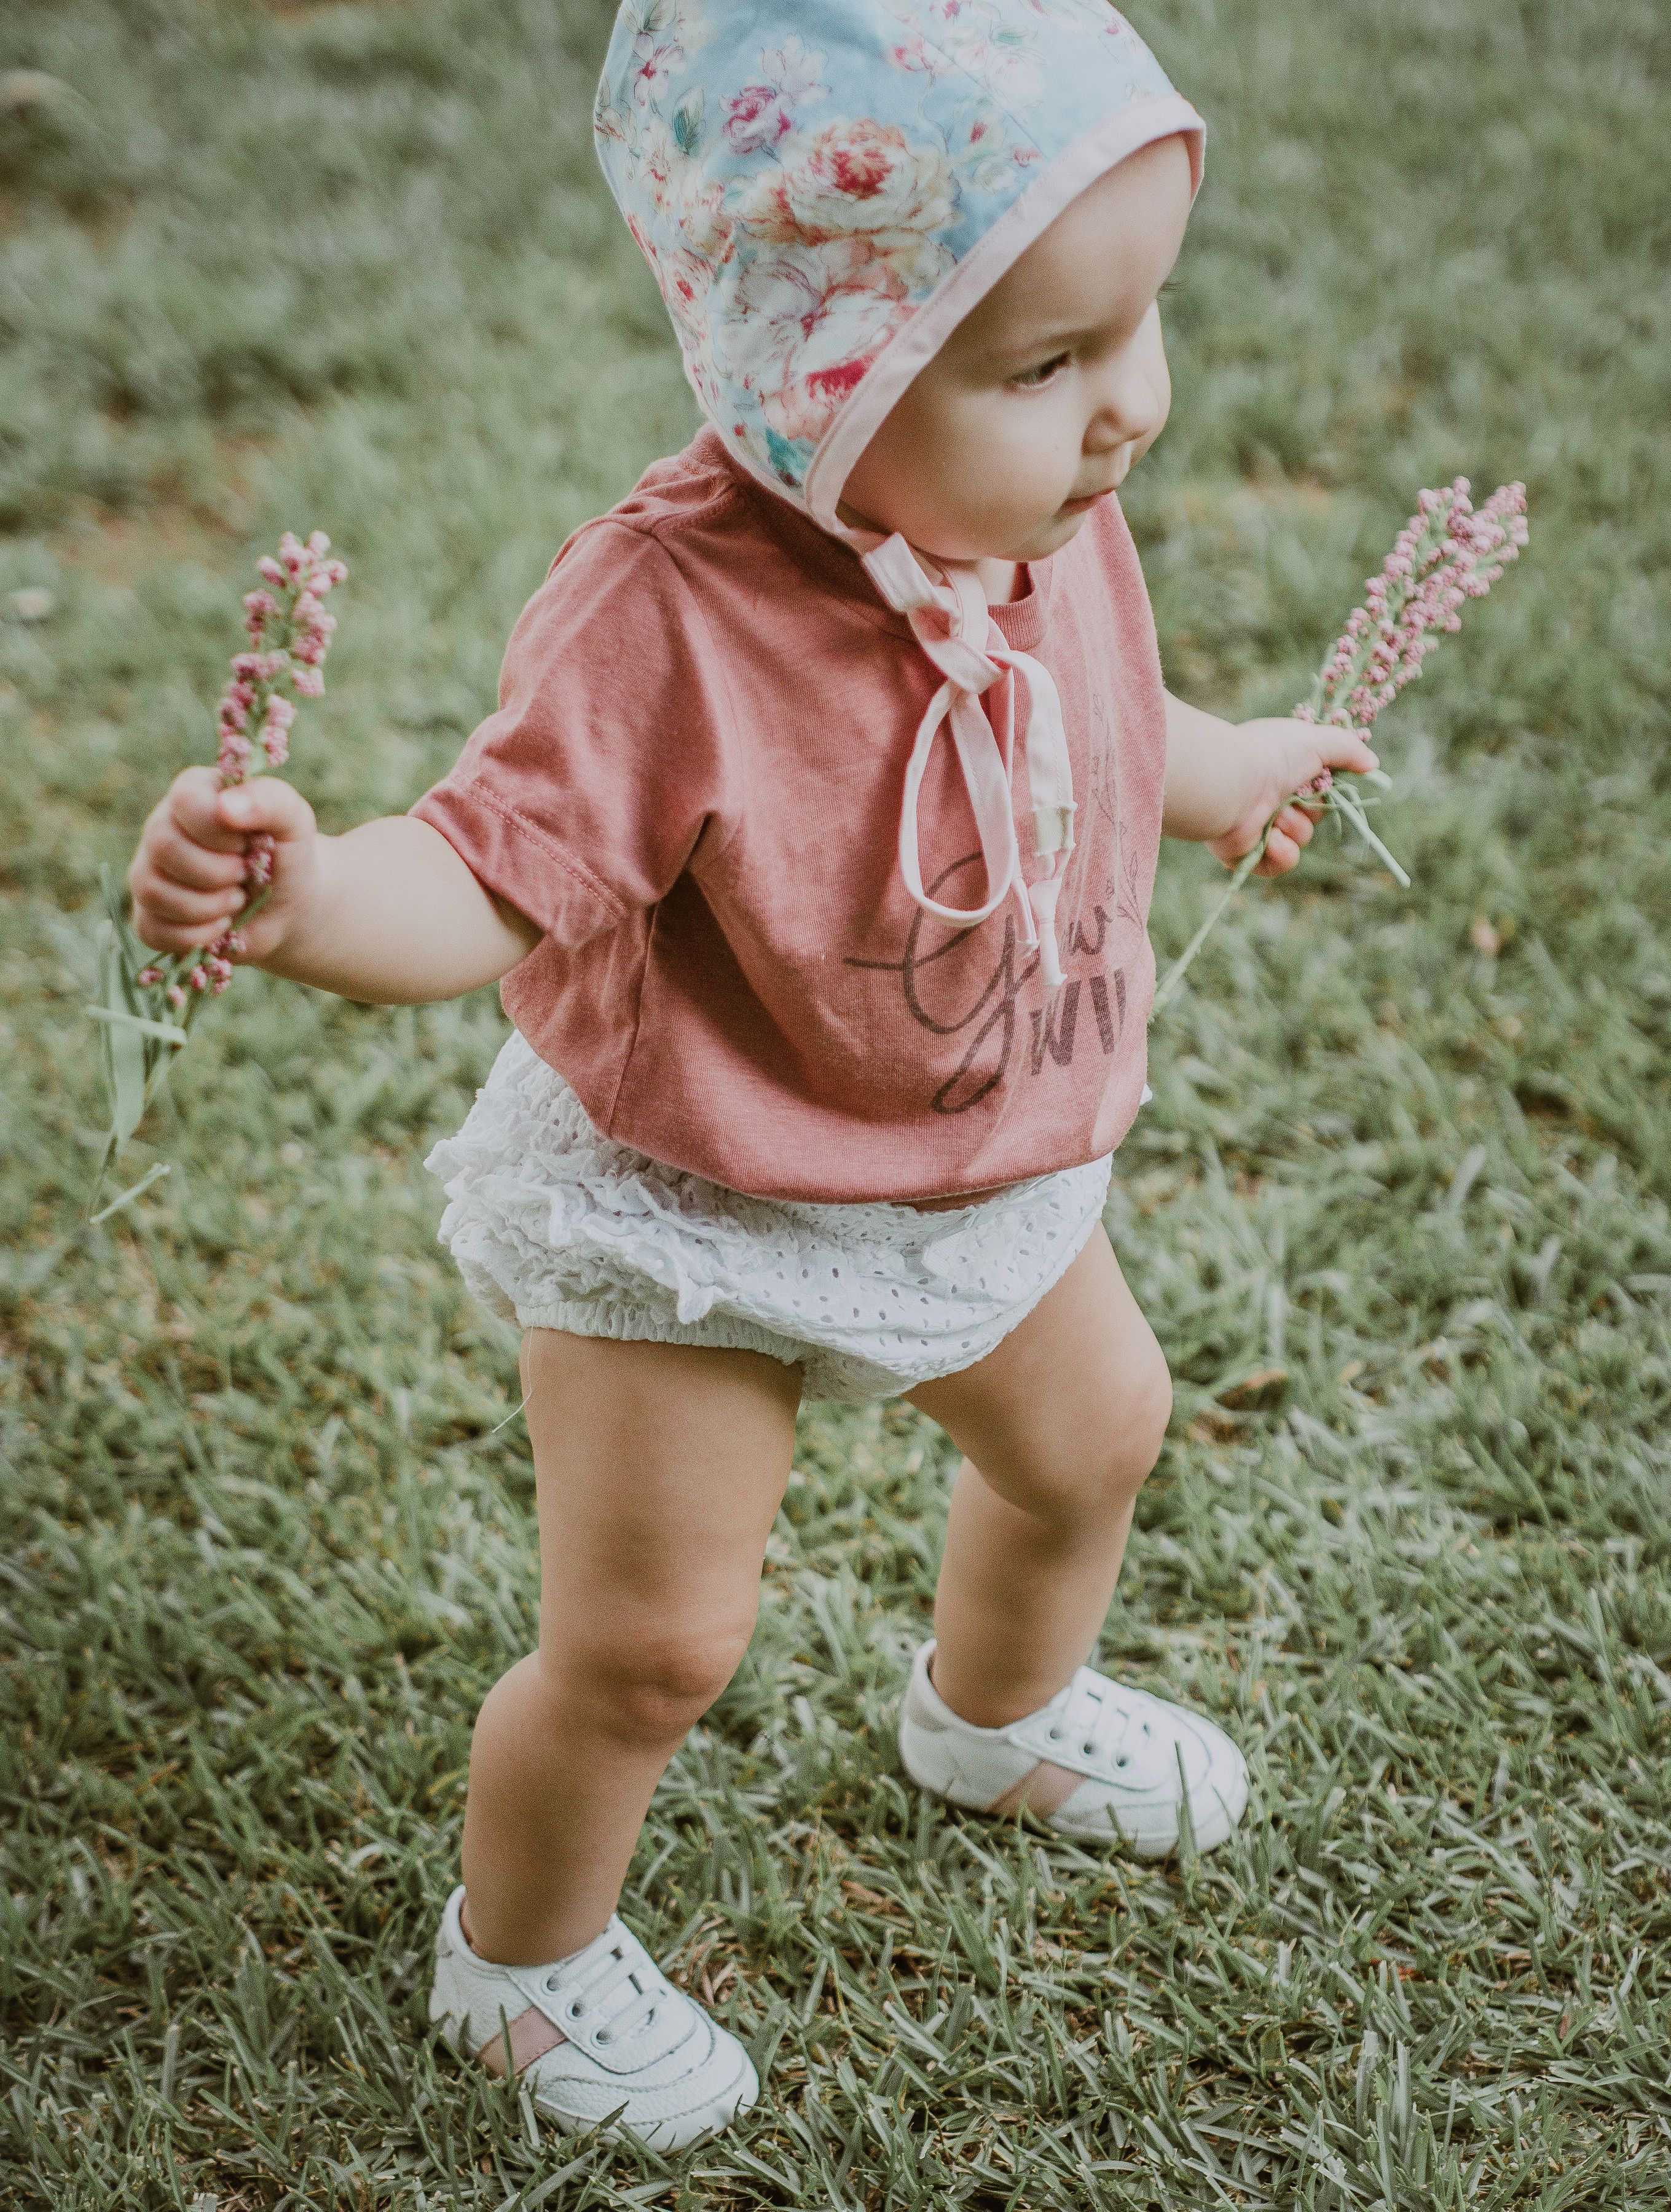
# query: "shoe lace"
[[619, 1990], [1095, 1718]]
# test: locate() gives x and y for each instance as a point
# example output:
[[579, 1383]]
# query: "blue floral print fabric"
[[802, 179]]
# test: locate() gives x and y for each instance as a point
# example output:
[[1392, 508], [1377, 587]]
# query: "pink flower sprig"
[[1447, 554], [147, 1004], [289, 634]]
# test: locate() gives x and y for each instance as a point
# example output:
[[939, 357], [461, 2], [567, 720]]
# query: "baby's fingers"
[[268, 806], [176, 921], [169, 857], [192, 810], [1345, 749], [1288, 833]]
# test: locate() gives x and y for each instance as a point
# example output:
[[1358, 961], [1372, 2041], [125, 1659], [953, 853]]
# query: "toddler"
[[813, 838]]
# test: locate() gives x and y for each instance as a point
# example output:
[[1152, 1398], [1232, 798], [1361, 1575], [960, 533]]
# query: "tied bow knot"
[[954, 626]]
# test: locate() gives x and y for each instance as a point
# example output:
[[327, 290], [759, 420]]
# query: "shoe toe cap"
[[1144, 1812], [690, 2093]]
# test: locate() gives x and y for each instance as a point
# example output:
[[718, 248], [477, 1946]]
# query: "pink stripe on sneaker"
[[531, 2036], [1044, 1789]]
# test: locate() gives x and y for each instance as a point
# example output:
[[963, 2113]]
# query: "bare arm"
[[387, 914], [1225, 779], [399, 919]]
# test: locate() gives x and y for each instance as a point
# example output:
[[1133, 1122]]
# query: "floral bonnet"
[[824, 190]]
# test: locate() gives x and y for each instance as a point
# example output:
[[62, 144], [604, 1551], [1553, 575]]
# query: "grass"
[[1399, 1210]]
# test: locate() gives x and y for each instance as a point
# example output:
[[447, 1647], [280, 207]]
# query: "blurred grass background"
[[1399, 1210]]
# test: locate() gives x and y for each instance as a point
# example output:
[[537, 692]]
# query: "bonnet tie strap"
[[947, 619]]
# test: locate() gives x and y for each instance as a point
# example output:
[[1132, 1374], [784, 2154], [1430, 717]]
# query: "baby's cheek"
[[1026, 476]]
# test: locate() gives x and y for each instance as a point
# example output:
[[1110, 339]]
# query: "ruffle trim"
[[554, 1226]]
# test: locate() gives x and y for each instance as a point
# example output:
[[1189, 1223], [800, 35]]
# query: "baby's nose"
[[1132, 409]]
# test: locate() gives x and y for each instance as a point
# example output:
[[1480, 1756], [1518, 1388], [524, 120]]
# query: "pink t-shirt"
[[692, 788]]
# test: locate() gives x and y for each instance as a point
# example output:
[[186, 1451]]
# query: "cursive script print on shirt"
[[987, 1025]]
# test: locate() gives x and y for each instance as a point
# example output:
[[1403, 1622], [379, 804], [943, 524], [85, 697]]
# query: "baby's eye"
[[1030, 378]]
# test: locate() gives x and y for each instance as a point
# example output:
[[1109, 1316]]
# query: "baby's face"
[[1043, 397]]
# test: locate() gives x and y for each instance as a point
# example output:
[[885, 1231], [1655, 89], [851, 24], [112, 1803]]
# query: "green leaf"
[[167, 1031], [688, 122], [124, 1045], [134, 955]]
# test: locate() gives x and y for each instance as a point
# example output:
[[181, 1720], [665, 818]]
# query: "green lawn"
[[267, 1541]]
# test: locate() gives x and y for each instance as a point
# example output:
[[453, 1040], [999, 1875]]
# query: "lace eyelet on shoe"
[[602, 2036], [1121, 1761], [1055, 1735], [1088, 1749]]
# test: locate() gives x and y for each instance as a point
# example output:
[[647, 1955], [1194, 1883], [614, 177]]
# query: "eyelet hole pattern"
[[837, 1281]]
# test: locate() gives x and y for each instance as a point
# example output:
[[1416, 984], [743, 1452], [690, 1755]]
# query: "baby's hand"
[[1285, 757], [187, 877]]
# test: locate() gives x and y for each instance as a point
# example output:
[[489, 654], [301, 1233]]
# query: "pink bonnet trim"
[[1091, 155]]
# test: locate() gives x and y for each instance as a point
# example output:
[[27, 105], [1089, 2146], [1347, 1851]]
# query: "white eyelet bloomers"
[[554, 1226]]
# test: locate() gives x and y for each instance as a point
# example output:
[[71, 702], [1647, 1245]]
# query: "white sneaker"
[[1098, 1760], [603, 2032]]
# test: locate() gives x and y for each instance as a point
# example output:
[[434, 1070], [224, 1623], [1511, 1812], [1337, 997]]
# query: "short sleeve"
[[587, 794]]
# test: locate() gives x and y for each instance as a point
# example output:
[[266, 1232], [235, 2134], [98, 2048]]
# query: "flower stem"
[[1354, 814], [1175, 975]]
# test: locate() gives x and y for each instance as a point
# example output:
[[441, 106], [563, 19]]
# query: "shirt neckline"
[[836, 568]]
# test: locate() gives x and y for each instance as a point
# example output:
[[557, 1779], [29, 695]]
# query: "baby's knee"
[[1117, 1462], [647, 1682], [1145, 1413], [1095, 1471]]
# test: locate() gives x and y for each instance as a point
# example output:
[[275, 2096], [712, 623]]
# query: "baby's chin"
[[1031, 541], [1044, 538]]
